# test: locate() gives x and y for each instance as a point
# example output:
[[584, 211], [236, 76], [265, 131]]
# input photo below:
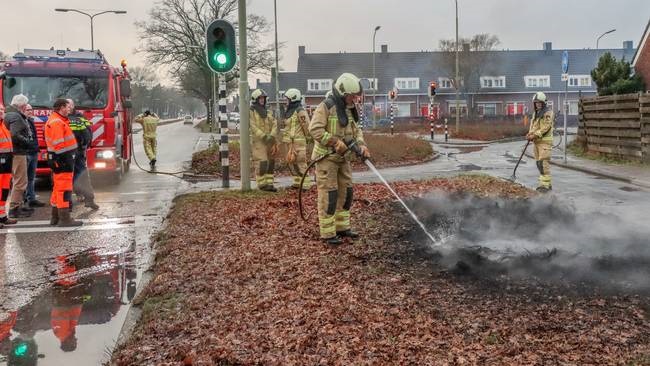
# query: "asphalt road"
[[45, 270]]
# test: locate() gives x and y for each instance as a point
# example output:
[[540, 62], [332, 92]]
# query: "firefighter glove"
[[340, 147], [365, 152]]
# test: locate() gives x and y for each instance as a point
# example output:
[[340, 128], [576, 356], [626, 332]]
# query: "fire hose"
[[173, 174], [352, 146]]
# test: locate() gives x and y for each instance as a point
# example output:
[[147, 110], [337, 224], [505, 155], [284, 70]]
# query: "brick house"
[[641, 60], [504, 87]]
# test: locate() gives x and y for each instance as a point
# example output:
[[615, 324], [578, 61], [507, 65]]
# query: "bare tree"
[[4, 56], [174, 37], [474, 61]]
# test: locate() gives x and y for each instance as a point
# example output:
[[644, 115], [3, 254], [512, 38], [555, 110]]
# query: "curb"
[[478, 143], [597, 173]]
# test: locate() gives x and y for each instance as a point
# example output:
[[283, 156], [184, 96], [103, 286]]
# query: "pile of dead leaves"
[[240, 279]]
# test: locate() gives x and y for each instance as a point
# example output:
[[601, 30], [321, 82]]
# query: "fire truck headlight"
[[105, 154]]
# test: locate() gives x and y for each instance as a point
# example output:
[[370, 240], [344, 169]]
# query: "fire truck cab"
[[101, 94]]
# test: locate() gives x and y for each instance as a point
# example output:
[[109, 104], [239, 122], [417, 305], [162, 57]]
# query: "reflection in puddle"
[[87, 288]]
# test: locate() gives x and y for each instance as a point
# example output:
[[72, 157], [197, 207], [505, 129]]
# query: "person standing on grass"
[[263, 128], [541, 134], [296, 136]]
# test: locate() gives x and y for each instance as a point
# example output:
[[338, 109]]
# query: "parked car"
[[188, 120]]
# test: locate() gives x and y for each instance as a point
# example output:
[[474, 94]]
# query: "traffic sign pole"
[[565, 71]]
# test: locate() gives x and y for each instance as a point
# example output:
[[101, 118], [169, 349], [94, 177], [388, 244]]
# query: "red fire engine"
[[101, 93]]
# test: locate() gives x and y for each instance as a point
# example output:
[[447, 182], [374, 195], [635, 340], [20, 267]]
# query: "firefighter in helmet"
[[541, 134], [296, 136], [264, 144], [333, 127]]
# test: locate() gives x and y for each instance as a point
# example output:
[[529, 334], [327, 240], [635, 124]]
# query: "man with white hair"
[[23, 141]]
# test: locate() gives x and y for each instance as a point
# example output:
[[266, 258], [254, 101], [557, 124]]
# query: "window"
[[444, 83], [407, 83], [319, 84], [580, 80], [487, 109], [537, 81], [86, 91], [373, 84], [515, 108], [493, 81], [452, 108], [573, 108], [402, 109]]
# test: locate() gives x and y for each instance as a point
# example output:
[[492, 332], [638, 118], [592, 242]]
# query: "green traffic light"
[[21, 350], [220, 58]]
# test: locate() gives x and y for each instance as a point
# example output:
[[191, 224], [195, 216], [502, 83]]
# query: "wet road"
[[65, 292]]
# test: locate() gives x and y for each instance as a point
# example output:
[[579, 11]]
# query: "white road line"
[[46, 229], [85, 221]]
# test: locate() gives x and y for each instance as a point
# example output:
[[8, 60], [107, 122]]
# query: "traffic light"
[[392, 95], [221, 46], [432, 89], [23, 352]]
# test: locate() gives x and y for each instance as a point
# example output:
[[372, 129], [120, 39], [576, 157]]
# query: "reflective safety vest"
[[333, 129], [64, 319], [542, 126], [58, 135], [296, 128], [5, 139]]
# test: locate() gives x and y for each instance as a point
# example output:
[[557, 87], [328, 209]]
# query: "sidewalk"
[[632, 174]]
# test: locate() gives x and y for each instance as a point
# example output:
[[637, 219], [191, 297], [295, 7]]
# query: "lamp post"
[[92, 17], [456, 78], [374, 77], [277, 67], [601, 36]]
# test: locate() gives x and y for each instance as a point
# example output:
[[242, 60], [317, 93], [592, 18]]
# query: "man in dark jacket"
[[23, 141], [32, 162], [81, 128]]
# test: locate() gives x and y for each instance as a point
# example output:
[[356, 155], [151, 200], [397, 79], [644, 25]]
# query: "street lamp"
[[457, 82], [374, 78], [92, 17], [277, 66], [601, 36]]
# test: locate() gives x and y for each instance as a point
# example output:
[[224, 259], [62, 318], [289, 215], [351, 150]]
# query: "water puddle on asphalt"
[[87, 290], [629, 189], [469, 167]]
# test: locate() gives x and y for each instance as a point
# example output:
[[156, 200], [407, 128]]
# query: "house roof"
[[428, 66], [642, 43]]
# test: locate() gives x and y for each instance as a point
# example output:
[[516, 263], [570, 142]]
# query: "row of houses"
[[501, 83]]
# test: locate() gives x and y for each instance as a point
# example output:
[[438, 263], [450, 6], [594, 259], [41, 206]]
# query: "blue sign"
[[565, 62]]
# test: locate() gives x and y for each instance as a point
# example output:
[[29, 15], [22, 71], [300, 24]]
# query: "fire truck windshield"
[[42, 91]]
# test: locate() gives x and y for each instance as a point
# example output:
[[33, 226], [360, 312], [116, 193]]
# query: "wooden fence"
[[616, 126]]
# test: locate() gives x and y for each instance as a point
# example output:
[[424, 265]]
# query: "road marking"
[[43, 226]]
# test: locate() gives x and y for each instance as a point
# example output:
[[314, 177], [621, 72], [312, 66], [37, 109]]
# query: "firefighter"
[[296, 136], [61, 149], [541, 134], [149, 122], [264, 145], [81, 128], [6, 159], [333, 125]]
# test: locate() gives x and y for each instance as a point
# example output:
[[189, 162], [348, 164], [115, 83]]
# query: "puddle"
[[469, 167], [59, 326], [629, 189], [469, 149]]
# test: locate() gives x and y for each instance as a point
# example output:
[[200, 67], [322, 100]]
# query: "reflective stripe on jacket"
[[5, 139], [542, 125], [262, 126], [58, 135], [296, 130], [325, 125]]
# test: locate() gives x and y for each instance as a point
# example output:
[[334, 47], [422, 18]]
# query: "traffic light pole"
[[431, 116], [223, 121], [244, 138], [391, 117]]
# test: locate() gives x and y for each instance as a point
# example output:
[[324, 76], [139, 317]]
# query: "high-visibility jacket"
[[261, 126], [6, 146], [149, 124], [325, 126], [296, 130], [58, 135], [6, 324], [542, 126]]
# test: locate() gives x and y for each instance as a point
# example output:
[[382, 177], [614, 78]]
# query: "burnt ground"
[[238, 280]]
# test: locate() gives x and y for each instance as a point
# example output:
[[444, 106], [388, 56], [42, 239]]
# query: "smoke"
[[539, 237]]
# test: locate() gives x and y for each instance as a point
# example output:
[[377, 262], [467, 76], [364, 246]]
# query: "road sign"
[[565, 62], [565, 77]]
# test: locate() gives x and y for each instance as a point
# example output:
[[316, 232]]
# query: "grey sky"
[[336, 25]]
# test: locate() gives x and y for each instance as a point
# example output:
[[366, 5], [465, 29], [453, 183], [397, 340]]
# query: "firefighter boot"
[[333, 241], [55, 216], [91, 204], [8, 221], [65, 220], [348, 234]]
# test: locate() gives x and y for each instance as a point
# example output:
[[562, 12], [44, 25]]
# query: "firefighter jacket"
[[297, 128], [61, 144], [262, 124], [325, 128], [542, 125], [149, 124]]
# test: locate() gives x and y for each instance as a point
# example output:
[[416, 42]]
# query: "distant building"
[[504, 86], [641, 60]]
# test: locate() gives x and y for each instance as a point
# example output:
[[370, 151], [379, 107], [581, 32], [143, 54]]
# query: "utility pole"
[[277, 69], [457, 81], [374, 77], [244, 138]]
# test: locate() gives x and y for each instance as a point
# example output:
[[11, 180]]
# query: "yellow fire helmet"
[[293, 95], [348, 84], [539, 97], [257, 93]]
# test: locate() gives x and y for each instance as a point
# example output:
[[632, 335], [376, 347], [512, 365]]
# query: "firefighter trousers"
[[298, 165], [334, 182], [264, 163], [150, 147], [542, 153], [61, 190]]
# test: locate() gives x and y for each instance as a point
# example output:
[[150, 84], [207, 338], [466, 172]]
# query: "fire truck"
[[101, 94]]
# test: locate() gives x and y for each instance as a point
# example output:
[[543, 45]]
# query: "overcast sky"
[[344, 25]]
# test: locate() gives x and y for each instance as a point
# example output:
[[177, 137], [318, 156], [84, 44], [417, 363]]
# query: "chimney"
[[465, 47], [301, 51], [384, 48], [548, 47], [628, 45]]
